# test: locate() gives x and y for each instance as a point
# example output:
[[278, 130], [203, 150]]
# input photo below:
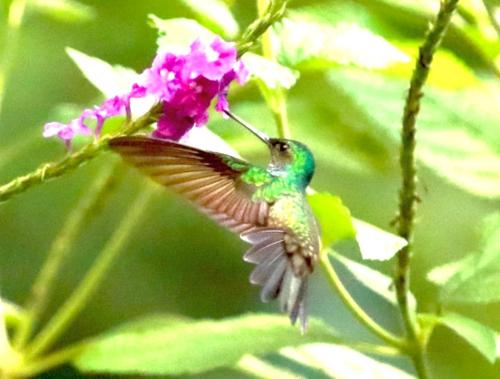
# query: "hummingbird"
[[267, 207]]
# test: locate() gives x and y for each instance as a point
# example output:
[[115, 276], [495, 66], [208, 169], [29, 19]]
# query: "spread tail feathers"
[[275, 273]]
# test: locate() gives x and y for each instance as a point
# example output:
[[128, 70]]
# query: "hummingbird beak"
[[262, 136]]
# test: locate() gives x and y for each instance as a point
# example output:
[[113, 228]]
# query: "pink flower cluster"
[[186, 84]]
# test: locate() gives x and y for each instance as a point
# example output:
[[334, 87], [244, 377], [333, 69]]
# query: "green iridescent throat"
[[284, 177]]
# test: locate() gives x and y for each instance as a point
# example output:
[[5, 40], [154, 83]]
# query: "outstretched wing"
[[221, 185]]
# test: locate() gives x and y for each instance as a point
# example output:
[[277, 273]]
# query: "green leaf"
[[333, 216], [442, 274], [177, 34], [109, 80], [457, 138], [481, 337], [271, 74], [477, 44], [341, 362], [64, 10], [259, 368], [216, 15], [11, 313], [194, 346], [475, 278], [497, 339], [373, 280], [375, 243], [307, 43]]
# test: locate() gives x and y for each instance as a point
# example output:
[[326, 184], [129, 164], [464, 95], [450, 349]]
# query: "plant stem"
[[50, 361], [273, 13], [14, 21], [53, 170], [62, 245], [277, 95], [490, 9], [90, 283], [408, 193], [356, 310], [280, 113]]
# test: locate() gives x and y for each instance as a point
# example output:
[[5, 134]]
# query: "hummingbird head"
[[288, 158], [291, 157]]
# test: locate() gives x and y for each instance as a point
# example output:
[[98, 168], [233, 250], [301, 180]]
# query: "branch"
[[354, 307], [41, 290], [49, 171], [274, 12], [408, 193], [53, 170], [90, 283]]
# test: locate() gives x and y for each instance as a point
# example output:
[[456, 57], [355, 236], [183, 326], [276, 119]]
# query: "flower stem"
[[53, 170], [273, 13], [277, 96], [90, 283], [14, 21], [408, 193], [356, 310], [61, 247]]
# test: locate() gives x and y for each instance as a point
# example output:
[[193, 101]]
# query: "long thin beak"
[[262, 136]]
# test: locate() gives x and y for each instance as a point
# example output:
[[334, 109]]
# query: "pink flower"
[[186, 84], [66, 132]]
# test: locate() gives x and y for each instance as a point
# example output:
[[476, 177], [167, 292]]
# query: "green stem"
[[280, 113], [408, 193], [490, 9], [14, 21], [53, 170], [90, 283], [61, 247], [277, 95], [274, 12], [356, 310], [50, 361]]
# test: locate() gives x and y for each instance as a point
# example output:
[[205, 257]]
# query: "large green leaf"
[[11, 313], [182, 347], [497, 340], [373, 280], [481, 337], [64, 10], [341, 362], [310, 43], [271, 74], [109, 80], [375, 243], [475, 278], [475, 41], [215, 14], [451, 140], [259, 368], [177, 34], [334, 218]]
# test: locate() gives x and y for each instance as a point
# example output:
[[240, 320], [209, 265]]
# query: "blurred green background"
[[180, 262]]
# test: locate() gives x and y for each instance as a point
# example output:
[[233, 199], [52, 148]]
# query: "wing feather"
[[210, 180], [214, 182]]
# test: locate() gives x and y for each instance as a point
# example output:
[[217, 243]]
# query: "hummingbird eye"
[[283, 146]]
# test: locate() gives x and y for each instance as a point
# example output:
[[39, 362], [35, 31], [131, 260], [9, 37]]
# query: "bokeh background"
[[178, 261]]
